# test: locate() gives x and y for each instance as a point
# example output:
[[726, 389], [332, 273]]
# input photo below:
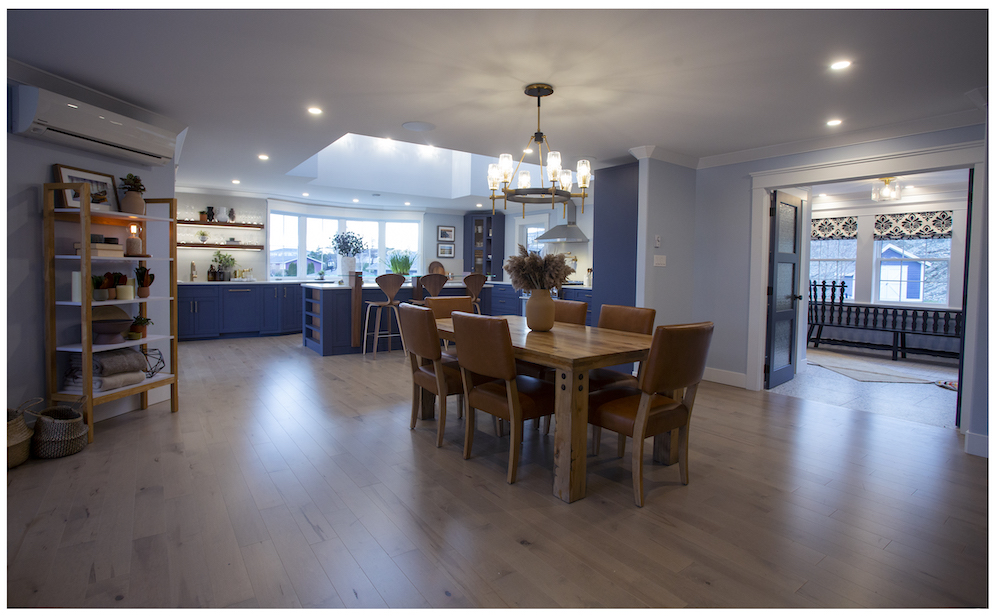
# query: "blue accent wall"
[[616, 211]]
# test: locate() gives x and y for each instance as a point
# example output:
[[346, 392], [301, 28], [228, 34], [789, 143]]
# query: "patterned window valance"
[[845, 228], [913, 226]]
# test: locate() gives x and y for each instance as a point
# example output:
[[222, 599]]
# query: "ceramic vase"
[[112, 293], [100, 295], [142, 291], [350, 264], [540, 311], [210, 213], [139, 329], [133, 203]]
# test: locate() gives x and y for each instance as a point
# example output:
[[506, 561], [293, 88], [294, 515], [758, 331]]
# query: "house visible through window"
[[913, 270]]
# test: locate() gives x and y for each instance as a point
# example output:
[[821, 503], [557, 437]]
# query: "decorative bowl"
[[110, 331]]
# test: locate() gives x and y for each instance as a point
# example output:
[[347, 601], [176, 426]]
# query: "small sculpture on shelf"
[[211, 273], [144, 279], [203, 236], [132, 201]]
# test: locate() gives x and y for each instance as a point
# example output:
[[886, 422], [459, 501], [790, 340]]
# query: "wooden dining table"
[[572, 350]]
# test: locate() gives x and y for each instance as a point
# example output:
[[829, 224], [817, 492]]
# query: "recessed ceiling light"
[[479, 205], [236, 181], [116, 123], [355, 200], [315, 110], [839, 66], [71, 105], [418, 127], [305, 194], [263, 156], [833, 122], [821, 195], [406, 203]]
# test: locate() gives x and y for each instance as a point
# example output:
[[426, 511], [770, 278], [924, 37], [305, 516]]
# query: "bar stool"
[[474, 284], [390, 284], [432, 283]]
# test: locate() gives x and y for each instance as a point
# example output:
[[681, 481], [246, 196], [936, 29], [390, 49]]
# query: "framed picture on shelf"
[[446, 251], [445, 234], [103, 196]]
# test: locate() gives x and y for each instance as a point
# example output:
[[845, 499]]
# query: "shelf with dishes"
[[218, 246], [228, 225]]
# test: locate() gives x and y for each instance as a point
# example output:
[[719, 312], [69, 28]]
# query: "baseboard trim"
[[977, 444], [725, 377]]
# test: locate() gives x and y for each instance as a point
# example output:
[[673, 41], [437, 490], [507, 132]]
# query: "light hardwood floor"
[[288, 479]]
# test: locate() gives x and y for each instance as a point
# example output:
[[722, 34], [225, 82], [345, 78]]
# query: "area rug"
[[950, 385], [876, 374]]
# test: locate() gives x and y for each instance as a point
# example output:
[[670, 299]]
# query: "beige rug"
[[875, 374]]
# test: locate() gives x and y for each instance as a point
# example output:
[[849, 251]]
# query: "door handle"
[[196, 306], [275, 292], [191, 307], [798, 297]]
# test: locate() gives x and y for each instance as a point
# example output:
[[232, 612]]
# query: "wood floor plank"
[[271, 586], [312, 587]]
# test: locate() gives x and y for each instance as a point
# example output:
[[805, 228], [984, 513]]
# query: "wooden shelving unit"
[[231, 225], [217, 246], [83, 218]]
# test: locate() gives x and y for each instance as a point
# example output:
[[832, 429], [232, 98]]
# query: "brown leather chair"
[[662, 402], [426, 366], [568, 311], [390, 284], [444, 305], [474, 284], [485, 349], [626, 319]]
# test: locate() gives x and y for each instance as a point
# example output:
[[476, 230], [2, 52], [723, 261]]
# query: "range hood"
[[569, 232]]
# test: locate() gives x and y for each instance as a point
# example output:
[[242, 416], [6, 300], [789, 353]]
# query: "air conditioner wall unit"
[[53, 117]]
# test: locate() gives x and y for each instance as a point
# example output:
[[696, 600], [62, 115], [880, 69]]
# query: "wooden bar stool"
[[390, 284], [474, 284], [432, 284]]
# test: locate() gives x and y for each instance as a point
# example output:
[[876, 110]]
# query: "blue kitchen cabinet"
[[506, 300], [197, 312], [581, 295], [289, 298], [484, 243], [241, 309], [270, 309]]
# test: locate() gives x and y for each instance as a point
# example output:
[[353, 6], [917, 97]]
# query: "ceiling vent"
[[53, 117]]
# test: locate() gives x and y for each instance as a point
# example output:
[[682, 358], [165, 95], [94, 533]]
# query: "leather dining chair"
[[485, 350], [626, 319], [390, 284], [426, 366], [444, 305], [474, 285], [663, 401]]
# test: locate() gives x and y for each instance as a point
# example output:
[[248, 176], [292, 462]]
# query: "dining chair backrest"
[[677, 357], [484, 346], [435, 267], [568, 311], [390, 284], [474, 283], [627, 318], [419, 331], [444, 305], [433, 283]]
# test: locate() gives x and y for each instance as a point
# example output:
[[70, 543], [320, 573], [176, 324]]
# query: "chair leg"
[[416, 405], [516, 434], [364, 338], [378, 329], [498, 426], [546, 422], [637, 471], [682, 454], [470, 430], [399, 328], [442, 411], [461, 405], [621, 445], [595, 440]]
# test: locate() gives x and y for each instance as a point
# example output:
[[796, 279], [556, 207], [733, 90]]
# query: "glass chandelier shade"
[[886, 189]]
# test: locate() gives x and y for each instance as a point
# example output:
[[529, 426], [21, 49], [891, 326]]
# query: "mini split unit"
[[53, 117]]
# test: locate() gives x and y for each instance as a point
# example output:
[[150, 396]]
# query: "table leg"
[[666, 448], [426, 404], [570, 467]]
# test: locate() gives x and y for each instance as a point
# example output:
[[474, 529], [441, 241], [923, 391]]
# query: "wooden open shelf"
[[218, 246], [230, 225]]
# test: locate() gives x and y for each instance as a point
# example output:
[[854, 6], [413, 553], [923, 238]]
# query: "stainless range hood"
[[569, 232]]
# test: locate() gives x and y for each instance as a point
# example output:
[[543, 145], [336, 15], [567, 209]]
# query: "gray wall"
[[29, 165], [429, 244]]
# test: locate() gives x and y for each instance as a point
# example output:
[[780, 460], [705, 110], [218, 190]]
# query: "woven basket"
[[59, 431], [18, 433]]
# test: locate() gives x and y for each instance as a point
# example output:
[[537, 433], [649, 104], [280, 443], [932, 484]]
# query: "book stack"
[[102, 250]]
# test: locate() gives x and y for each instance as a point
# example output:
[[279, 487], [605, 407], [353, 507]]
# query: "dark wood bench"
[[828, 308]]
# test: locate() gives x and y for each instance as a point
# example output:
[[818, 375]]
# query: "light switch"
[[659, 260], [657, 241]]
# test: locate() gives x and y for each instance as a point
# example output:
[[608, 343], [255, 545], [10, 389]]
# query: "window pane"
[[834, 261], [531, 233], [283, 241], [403, 237], [368, 259], [913, 270], [320, 254]]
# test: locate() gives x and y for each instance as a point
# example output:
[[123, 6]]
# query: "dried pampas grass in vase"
[[536, 274]]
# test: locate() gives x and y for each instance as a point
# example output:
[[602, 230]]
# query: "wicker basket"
[[18, 433], [59, 431]]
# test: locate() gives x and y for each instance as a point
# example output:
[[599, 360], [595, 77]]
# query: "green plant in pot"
[[203, 216], [132, 201], [203, 236], [226, 262], [139, 324], [144, 279], [401, 261], [348, 245], [100, 293]]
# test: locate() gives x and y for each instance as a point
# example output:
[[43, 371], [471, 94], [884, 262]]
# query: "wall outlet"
[[659, 260]]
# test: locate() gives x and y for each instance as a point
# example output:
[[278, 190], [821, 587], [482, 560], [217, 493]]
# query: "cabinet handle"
[[191, 306], [285, 289], [275, 292], [196, 306], [239, 290]]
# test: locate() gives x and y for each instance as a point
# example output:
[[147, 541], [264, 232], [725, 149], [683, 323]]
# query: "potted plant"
[[348, 245], [531, 272], [100, 291], [203, 215], [143, 279], [401, 261], [226, 262], [132, 202], [139, 324], [203, 236]]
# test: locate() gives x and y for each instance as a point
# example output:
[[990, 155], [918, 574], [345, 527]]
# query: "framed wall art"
[[103, 196], [446, 251], [446, 234]]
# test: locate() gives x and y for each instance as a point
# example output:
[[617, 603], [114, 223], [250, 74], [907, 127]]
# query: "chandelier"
[[561, 180], [886, 189]]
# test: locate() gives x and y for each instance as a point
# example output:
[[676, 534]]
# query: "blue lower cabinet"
[[270, 309], [197, 312], [505, 300], [289, 297], [241, 309], [581, 295]]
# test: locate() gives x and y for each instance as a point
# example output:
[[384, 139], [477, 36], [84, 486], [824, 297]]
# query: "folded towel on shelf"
[[74, 380], [107, 363]]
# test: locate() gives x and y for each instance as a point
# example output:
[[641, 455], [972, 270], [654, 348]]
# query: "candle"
[[125, 291]]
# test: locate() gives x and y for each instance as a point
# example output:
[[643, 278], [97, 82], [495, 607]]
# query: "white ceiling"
[[703, 86]]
